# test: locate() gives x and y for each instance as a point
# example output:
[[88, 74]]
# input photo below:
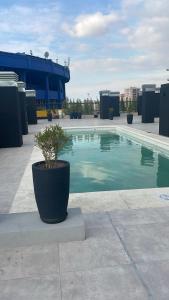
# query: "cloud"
[[132, 47], [29, 23], [149, 35], [91, 24], [82, 47], [115, 66], [76, 90], [113, 74], [128, 4]]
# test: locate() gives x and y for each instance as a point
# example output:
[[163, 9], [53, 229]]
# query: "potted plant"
[[111, 113], [51, 177], [130, 113]]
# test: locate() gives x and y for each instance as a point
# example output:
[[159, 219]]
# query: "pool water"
[[105, 161]]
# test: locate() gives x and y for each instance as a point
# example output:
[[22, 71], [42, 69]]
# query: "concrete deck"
[[27, 229], [125, 254]]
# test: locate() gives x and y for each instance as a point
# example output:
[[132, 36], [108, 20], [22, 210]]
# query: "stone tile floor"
[[125, 254]]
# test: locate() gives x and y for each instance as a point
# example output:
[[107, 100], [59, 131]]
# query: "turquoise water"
[[104, 161]]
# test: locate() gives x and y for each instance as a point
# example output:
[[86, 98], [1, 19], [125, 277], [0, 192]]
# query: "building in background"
[[43, 75], [130, 94]]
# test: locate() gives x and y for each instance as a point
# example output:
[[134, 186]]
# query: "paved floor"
[[125, 254]]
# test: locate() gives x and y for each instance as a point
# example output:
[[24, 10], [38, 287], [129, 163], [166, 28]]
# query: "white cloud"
[[134, 54], [91, 24], [21, 22], [132, 3], [76, 90], [113, 74], [150, 33], [82, 47]]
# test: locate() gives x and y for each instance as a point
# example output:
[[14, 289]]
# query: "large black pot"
[[51, 188], [129, 118], [49, 116], [71, 115], [79, 115]]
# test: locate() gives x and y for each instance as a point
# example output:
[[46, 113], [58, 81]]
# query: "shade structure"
[[164, 110], [156, 105], [147, 107], [139, 105], [109, 100], [23, 110], [31, 106], [10, 116]]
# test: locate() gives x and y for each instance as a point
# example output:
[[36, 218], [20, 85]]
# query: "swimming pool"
[[105, 160]]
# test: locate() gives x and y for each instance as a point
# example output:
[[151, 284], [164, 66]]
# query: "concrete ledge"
[[26, 229]]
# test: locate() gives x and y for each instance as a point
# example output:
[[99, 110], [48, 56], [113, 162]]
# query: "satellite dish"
[[46, 54]]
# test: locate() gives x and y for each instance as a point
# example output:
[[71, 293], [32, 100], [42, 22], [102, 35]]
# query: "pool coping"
[[101, 201], [148, 137]]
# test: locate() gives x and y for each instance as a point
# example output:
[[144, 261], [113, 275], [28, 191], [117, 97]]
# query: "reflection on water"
[[96, 175], [68, 147], [147, 157], [108, 140], [163, 171], [104, 161], [129, 142]]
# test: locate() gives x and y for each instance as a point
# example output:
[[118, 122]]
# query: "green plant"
[[122, 106], [130, 107], [51, 140]]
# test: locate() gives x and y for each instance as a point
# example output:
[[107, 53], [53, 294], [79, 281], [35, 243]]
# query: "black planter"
[[76, 115], [95, 116], [79, 115], [49, 117], [129, 118], [51, 188], [71, 115]]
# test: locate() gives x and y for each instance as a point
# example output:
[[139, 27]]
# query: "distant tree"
[[122, 106], [65, 106]]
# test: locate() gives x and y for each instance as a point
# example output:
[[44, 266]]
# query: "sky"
[[112, 44]]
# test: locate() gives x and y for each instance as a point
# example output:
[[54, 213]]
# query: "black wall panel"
[[164, 110], [24, 118], [31, 110], [139, 105], [107, 102], [156, 104], [10, 117], [147, 107]]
